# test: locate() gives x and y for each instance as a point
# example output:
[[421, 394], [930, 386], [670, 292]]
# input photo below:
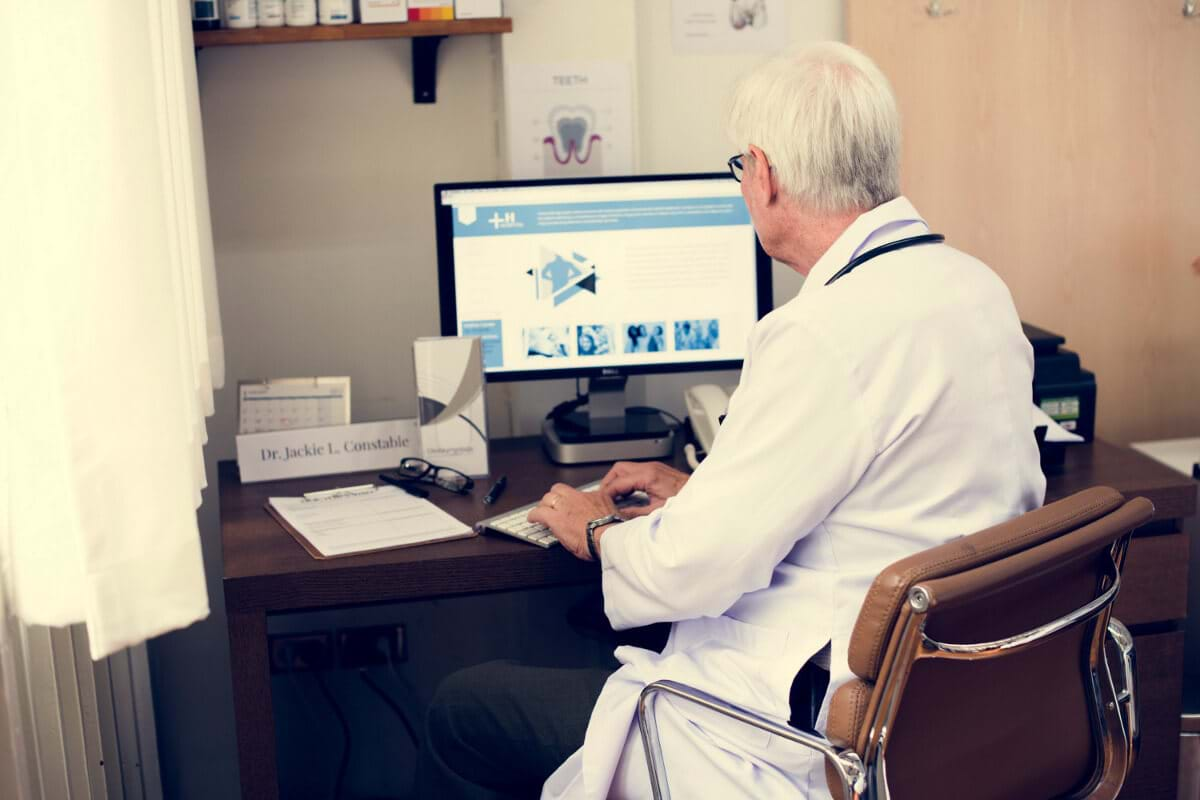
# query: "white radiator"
[[76, 729]]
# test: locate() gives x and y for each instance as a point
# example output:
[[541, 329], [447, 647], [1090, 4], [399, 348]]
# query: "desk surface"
[[265, 568]]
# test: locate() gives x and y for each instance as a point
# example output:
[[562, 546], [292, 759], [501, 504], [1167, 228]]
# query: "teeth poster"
[[729, 26], [569, 120]]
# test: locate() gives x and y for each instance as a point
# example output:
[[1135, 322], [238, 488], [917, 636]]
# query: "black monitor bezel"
[[444, 228]]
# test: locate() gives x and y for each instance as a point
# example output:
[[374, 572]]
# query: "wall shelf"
[[426, 37]]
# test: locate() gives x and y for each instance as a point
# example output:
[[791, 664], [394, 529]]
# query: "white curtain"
[[109, 331]]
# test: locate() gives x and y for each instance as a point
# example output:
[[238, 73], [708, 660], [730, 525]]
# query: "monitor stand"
[[607, 431]]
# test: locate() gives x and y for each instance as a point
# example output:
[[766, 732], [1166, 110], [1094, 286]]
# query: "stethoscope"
[[890, 247]]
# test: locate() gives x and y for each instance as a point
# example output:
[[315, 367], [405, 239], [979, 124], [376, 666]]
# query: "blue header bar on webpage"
[[517, 220]]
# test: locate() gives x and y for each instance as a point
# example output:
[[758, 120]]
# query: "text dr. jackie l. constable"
[[315, 450]]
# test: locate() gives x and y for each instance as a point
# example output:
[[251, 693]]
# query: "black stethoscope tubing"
[[890, 247]]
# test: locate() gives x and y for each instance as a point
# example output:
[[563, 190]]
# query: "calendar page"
[[281, 404]]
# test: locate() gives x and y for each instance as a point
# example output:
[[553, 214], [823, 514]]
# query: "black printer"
[[1063, 389]]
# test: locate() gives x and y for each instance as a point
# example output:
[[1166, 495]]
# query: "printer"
[[1061, 388]]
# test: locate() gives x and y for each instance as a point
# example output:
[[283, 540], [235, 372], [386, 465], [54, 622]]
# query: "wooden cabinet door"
[[1060, 143]]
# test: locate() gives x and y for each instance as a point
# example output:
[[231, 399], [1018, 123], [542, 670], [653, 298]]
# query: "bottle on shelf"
[[300, 12], [336, 12], [270, 13], [205, 16], [241, 13]]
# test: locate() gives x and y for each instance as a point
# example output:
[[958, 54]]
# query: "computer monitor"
[[601, 278]]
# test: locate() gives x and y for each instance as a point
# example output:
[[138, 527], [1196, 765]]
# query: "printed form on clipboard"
[[364, 521]]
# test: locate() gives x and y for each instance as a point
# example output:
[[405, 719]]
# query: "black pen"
[[405, 485], [497, 489]]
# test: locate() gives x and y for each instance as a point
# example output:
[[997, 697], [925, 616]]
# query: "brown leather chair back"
[[941, 710]]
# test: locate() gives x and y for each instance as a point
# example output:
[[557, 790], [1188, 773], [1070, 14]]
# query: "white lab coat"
[[876, 417]]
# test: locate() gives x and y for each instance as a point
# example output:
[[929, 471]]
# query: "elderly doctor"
[[883, 410]]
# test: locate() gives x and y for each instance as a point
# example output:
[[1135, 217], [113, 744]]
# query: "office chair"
[[981, 668]]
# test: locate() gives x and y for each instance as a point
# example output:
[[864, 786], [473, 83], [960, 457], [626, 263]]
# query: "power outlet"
[[300, 652], [373, 646]]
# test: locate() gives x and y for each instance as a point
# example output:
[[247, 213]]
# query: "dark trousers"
[[498, 730]]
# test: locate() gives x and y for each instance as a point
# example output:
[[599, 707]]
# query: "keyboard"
[[513, 523]]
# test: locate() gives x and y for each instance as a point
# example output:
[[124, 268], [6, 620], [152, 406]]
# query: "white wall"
[[681, 111], [679, 108], [320, 171]]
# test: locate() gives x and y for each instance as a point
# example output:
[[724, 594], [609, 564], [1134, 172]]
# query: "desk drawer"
[[1154, 581]]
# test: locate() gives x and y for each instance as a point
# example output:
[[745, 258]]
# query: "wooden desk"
[[267, 572]]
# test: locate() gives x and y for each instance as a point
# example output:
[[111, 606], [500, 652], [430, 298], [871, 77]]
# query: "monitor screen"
[[600, 276]]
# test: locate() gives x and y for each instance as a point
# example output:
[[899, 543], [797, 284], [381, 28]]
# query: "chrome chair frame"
[[864, 776]]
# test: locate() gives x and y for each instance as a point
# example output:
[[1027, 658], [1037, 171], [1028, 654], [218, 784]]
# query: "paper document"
[[383, 518], [1054, 431]]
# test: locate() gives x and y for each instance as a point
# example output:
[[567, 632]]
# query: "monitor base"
[[643, 436]]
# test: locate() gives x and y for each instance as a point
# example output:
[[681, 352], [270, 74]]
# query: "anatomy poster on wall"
[[728, 26], [569, 120]]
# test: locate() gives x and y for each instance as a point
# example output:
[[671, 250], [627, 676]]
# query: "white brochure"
[[450, 403], [326, 451]]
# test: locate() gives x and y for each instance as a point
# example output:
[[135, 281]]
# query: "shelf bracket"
[[424, 72]]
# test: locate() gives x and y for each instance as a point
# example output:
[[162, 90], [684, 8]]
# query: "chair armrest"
[[846, 762], [1126, 695]]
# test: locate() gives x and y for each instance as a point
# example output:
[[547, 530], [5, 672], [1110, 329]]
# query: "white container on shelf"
[[241, 13], [383, 11], [300, 12], [478, 9], [336, 12], [270, 13]]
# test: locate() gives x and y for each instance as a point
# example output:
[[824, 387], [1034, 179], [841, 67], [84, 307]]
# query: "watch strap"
[[591, 533]]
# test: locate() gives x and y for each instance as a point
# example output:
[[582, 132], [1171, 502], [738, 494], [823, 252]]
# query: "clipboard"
[[385, 527]]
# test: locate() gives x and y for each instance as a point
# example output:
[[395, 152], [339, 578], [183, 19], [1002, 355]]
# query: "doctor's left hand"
[[566, 511]]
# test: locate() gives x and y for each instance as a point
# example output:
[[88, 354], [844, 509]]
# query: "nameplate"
[[326, 451]]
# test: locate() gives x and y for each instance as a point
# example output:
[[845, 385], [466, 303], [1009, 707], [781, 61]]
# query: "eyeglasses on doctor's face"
[[735, 166], [418, 469]]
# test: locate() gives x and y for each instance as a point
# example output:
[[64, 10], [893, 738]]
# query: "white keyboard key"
[[516, 524]]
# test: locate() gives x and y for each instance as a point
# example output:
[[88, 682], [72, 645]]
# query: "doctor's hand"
[[566, 511], [656, 479]]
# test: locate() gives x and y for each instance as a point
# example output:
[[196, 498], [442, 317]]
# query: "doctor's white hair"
[[827, 120]]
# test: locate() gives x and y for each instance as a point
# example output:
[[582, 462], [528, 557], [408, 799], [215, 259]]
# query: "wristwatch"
[[591, 530]]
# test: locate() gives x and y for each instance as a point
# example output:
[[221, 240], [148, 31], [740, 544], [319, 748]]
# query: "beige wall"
[[1058, 142]]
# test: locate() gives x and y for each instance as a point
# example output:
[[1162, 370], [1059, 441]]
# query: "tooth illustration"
[[747, 13], [571, 131], [572, 127]]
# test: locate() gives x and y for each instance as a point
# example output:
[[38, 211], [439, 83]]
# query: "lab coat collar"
[[881, 224]]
